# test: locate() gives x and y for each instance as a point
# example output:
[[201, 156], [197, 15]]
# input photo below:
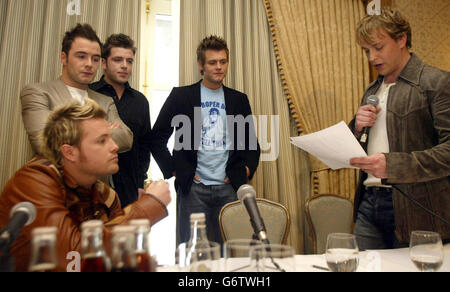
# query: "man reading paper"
[[409, 141]]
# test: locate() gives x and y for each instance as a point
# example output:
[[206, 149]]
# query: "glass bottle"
[[123, 257], [43, 253], [142, 247], [198, 230], [198, 246], [93, 255]]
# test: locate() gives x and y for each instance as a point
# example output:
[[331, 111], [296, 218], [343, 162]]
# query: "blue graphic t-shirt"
[[212, 153]]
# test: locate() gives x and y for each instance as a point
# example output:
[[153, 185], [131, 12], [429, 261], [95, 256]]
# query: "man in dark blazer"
[[216, 149]]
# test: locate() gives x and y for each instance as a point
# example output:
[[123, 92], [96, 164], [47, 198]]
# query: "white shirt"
[[378, 140], [78, 94]]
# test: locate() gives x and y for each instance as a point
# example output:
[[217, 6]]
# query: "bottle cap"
[[198, 217], [92, 224], [44, 230], [140, 222], [124, 229]]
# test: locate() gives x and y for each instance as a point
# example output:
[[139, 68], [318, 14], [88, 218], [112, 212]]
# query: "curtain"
[[31, 34], [430, 27], [323, 70], [281, 175]]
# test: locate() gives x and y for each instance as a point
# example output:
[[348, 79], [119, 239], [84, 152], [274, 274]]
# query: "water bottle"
[[198, 251]]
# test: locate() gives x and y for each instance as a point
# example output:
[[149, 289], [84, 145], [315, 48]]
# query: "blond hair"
[[390, 20], [63, 127]]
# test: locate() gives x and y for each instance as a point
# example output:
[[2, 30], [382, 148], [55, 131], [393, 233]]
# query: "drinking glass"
[[272, 258], [426, 250], [342, 252], [236, 254]]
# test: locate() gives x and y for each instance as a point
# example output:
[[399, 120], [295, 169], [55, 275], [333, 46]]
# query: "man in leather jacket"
[[409, 142], [63, 183]]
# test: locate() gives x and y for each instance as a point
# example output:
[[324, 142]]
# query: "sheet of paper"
[[334, 146]]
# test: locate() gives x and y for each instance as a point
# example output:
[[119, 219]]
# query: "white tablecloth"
[[391, 260], [394, 260]]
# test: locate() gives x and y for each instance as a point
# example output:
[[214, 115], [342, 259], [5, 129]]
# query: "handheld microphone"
[[22, 214], [247, 196], [373, 100]]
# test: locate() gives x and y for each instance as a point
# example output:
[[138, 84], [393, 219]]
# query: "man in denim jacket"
[[409, 142]]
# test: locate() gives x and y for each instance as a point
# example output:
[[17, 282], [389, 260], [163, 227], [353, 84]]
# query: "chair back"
[[328, 213], [234, 221]]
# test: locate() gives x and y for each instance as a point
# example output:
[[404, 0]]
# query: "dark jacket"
[[133, 109], [182, 111], [418, 162]]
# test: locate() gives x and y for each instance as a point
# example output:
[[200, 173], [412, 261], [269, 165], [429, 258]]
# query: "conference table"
[[393, 260], [390, 260]]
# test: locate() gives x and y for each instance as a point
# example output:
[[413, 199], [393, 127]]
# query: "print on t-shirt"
[[213, 131]]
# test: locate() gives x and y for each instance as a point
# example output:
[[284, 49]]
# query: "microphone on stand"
[[22, 214], [247, 196], [372, 100]]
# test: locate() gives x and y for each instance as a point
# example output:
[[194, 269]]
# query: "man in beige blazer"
[[80, 56]]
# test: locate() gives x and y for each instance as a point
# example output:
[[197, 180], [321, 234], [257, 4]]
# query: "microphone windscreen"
[[373, 100], [26, 207], [245, 191]]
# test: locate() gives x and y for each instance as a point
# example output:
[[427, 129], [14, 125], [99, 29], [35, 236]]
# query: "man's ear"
[[64, 59], [402, 41], [69, 152], [200, 66], [104, 64]]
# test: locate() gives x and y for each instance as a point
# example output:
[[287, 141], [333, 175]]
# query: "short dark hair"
[[117, 41], [80, 30], [211, 43]]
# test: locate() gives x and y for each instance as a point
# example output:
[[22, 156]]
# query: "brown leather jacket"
[[62, 203], [418, 162]]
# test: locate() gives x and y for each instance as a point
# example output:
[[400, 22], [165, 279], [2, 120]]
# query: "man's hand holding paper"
[[374, 164]]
